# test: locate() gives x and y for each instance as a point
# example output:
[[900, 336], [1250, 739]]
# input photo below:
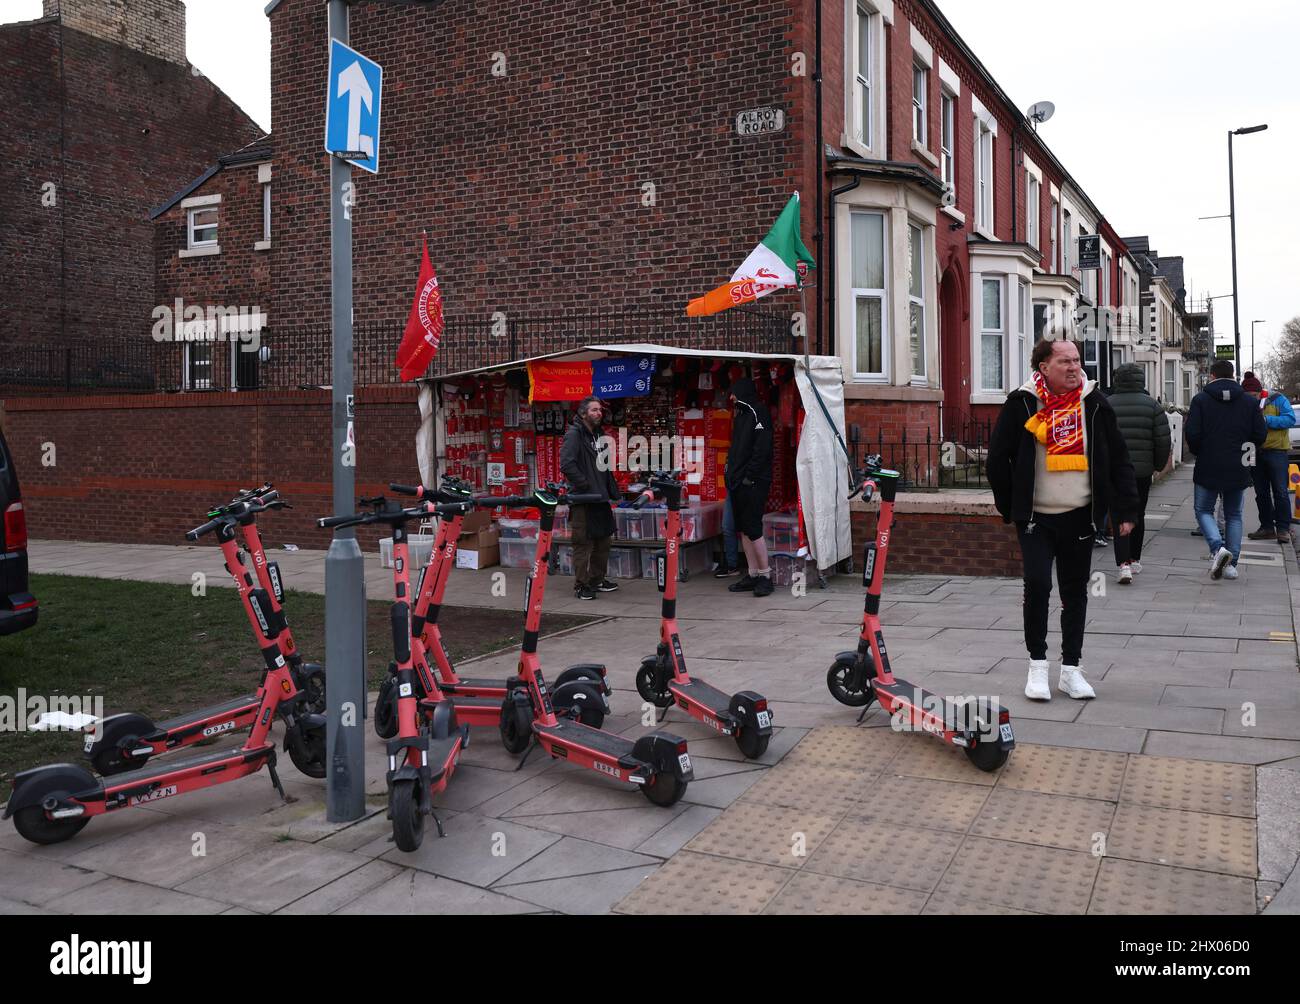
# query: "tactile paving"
[[1206, 841], [1061, 770], [764, 833], [700, 884], [1134, 887], [1193, 785], [812, 895], [908, 856], [1032, 817], [848, 748], [1020, 876], [952, 904], [828, 790], [921, 801], [924, 756]]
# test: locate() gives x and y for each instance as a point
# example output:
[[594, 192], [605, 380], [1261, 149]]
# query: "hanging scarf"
[[1059, 426]]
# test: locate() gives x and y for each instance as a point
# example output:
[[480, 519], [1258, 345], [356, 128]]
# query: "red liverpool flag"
[[424, 326]]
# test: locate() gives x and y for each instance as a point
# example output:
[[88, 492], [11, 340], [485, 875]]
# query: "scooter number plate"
[[764, 719], [685, 761], [90, 742], [1005, 732]]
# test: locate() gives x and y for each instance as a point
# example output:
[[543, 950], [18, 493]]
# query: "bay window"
[[916, 300], [992, 335]]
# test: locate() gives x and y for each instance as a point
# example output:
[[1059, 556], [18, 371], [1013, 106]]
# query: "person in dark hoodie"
[[591, 526], [1057, 463], [749, 479], [1145, 428], [1225, 429]]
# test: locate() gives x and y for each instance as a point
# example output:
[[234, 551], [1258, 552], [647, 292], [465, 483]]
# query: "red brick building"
[[103, 117]]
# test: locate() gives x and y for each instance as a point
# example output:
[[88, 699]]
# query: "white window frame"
[[191, 207], [1170, 380], [1000, 332], [921, 104], [985, 162], [886, 329], [1054, 261], [948, 139], [1024, 333], [1034, 202], [879, 13], [913, 300]]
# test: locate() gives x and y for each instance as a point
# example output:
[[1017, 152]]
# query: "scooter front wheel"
[[664, 789], [33, 824], [840, 681], [988, 757], [647, 686], [408, 820], [313, 686], [751, 744], [307, 751]]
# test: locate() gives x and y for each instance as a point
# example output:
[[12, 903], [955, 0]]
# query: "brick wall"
[[155, 463], [154, 27], [133, 130], [944, 544], [530, 184]]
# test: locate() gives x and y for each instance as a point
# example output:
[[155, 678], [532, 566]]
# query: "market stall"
[[500, 429]]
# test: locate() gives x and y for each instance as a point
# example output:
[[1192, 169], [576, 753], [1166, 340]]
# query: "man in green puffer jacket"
[[1145, 429]]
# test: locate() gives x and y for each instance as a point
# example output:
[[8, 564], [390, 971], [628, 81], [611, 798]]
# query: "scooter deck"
[[566, 730], [701, 693], [215, 711], [442, 754], [477, 683], [177, 764]]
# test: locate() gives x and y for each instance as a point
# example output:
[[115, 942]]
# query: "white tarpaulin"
[[821, 467]]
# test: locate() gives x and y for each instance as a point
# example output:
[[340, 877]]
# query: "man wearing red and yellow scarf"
[[1057, 463]]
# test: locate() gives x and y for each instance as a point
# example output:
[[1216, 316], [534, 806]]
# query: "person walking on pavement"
[[591, 525], [1057, 463], [749, 479], [1145, 428], [1271, 474], [1225, 429]]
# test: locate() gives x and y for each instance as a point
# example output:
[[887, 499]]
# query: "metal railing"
[[931, 463]]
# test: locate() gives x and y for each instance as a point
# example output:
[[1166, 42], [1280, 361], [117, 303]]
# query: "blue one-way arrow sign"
[[352, 106]]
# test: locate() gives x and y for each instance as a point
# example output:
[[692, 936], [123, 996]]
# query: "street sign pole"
[[345, 587]]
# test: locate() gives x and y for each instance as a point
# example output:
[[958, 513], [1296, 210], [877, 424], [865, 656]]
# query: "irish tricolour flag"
[[780, 262]]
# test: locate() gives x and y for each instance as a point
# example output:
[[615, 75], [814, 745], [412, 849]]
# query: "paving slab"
[[812, 895], [1021, 876], [705, 884], [477, 850], [1133, 887], [36, 882], [118, 897], [419, 893], [569, 858]]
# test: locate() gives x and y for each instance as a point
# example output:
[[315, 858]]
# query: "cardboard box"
[[479, 519], [479, 550]]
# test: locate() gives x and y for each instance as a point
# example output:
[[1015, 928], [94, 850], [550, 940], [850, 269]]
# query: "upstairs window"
[[864, 39], [1033, 193], [202, 227], [948, 141], [983, 176], [920, 104]]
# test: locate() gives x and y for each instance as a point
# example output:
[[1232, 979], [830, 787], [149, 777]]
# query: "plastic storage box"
[[781, 531], [421, 546], [517, 553], [700, 521], [694, 560], [624, 563], [519, 529], [784, 568]]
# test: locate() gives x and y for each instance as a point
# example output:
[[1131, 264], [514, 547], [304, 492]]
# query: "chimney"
[[154, 27]]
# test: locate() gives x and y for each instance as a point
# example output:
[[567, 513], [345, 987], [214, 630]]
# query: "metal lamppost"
[[1232, 214], [1252, 342]]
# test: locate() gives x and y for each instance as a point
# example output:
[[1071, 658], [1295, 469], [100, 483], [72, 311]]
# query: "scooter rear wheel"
[[838, 679], [751, 744], [408, 820], [313, 686], [664, 789], [32, 824], [385, 716], [988, 757], [516, 726], [587, 703], [646, 687]]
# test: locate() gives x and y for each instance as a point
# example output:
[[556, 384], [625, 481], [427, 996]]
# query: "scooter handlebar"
[[417, 491], [200, 531], [333, 522], [590, 499]]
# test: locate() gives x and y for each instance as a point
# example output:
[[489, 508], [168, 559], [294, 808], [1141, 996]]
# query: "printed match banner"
[[605, 378]]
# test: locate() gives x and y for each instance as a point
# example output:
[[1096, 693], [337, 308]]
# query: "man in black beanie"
[[749, 479]]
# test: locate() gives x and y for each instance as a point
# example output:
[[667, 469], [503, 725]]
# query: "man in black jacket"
[[749, 479], [592, 525], [1145, 428], [1225, 429], [1057, 463]]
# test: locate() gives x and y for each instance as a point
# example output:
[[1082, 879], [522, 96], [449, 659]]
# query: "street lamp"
[[1252, 342], [1232, 213]]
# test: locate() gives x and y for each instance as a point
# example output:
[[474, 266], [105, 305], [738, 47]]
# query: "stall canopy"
[[821, 466]]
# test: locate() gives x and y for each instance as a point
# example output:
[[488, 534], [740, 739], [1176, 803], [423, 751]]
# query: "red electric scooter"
[[128, 740], [469, 694], [52, 804], [429, 737], [662, 679], [658, 763], [981, 727]]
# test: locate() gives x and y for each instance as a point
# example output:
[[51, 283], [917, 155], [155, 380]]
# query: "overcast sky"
[[1145, 93]]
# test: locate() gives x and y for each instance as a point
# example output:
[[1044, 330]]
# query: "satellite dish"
[[1041, 112]]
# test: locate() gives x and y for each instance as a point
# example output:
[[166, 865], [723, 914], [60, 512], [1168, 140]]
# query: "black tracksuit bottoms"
[[1066, 539]]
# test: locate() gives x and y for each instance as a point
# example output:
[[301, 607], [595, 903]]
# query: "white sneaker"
[[1219, 562], [1037, 688], [1073, 683], [1135, 567], [1126, 575], [1230, 572]]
